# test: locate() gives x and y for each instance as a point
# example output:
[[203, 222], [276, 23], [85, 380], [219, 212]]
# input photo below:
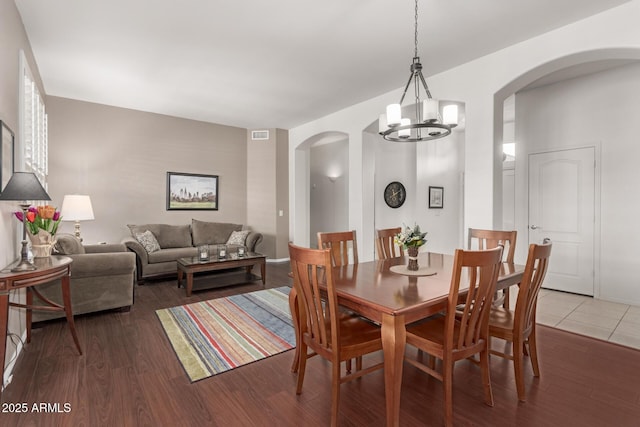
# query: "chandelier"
[[428, 124]]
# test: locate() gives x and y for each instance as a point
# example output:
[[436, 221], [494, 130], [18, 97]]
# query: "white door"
[[562, 208]]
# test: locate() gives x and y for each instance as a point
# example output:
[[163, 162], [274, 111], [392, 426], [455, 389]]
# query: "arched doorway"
[[327, 201], [581, 100]]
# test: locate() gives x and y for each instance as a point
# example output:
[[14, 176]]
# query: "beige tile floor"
[[619, 323]]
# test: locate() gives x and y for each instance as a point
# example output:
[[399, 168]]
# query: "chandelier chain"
[[415, 52]]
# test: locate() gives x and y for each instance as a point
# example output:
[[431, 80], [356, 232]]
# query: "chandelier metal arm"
[[424, 83], [406, 88]]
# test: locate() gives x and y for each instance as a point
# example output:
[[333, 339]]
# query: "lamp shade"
[[76, 207], [24, 186]]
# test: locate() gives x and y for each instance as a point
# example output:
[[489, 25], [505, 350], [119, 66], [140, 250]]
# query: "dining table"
[[385, 292]]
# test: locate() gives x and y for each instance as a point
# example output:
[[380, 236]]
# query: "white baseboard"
[[277, 260]]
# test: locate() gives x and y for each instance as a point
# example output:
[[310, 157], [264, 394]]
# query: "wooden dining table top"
[[371, 288]]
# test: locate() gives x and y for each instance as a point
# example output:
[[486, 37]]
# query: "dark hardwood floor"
[[130, 376]]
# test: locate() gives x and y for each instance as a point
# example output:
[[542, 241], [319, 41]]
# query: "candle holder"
[[203, 252], [222, 251], [241, 251]]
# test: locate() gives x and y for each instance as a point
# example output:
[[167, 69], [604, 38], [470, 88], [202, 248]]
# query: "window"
[[33, 124]]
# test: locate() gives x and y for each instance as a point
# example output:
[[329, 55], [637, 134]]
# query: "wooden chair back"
[[478, 271], [385, 245], [487, 239], [317, 309], [464, 331], [519, 327], [339, 243], [532, 278], [321, 325]]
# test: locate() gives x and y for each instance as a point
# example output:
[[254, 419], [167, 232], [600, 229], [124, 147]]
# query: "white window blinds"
[[34, 126]]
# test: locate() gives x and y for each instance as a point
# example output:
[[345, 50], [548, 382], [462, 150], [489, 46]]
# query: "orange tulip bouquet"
[[42, 224]]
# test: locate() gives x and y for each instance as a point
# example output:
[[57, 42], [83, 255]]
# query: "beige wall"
[[120, 158], [267, 191], [12, 40]]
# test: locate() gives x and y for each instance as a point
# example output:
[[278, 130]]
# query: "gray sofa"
[[102, 278], [180, 241]]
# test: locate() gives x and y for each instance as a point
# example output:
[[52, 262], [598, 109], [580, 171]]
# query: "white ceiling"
[[259, 64]]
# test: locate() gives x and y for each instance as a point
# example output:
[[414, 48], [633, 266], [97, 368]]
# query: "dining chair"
[[454, 337], [385, 245], [518, 326], [323, 328], [480, 239], [340, 244]]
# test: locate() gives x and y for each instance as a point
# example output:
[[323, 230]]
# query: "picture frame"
[[190, 191], [436, 197], [6, 155]]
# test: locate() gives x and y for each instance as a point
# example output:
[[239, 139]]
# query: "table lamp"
[[76, 207], [21, 187]]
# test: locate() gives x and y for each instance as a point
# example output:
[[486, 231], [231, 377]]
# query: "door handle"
[[534, 227]]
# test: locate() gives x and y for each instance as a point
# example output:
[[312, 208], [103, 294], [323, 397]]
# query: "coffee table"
[[192, 265]]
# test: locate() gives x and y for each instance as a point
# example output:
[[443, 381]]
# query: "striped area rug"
[[215, 336]]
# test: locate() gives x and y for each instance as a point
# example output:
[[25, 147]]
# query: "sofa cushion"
[[212, 233], [168, 236], [166, 255], [238, 237], [67, 244], [148, 241]]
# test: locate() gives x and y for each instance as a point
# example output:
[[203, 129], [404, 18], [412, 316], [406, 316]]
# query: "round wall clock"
[[395, 194]]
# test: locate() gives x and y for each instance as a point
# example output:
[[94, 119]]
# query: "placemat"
[[421, 271]]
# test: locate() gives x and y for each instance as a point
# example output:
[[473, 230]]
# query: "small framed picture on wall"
[[436, 197]]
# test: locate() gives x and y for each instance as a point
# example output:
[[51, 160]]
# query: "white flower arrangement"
[[410, 237]]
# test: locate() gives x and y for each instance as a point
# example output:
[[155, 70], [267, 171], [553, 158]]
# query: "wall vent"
[[259, 134]]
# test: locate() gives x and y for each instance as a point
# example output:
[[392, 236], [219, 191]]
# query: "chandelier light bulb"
[[430, 110], [404, 133], [450, 115], [394, 114], [382, 123]]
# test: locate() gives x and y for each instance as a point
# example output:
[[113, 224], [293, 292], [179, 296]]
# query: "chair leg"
[[302, 365], [359, 363], [335, 393], [518, 359], [486, 376], [447, 382], [533, 352], [347, 365]]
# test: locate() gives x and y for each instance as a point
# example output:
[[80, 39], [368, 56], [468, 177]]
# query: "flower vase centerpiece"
[[42, 224], [411, 239]]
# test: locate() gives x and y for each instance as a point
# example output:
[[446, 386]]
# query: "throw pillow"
[[212, 233], [68, 245], [148, 241], [238, 237], [168, 236]]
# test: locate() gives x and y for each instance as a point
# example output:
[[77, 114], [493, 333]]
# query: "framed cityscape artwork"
[[190, 191]]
